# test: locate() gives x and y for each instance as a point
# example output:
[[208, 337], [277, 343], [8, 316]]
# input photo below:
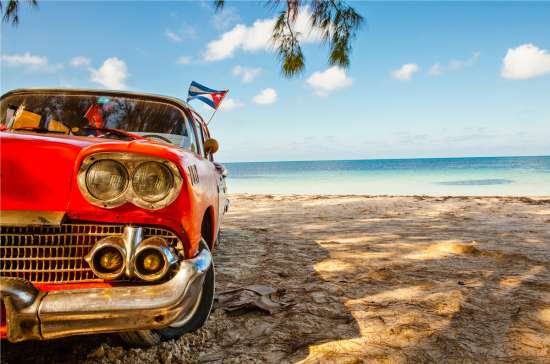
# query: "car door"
[[207, 171], [222, 186]]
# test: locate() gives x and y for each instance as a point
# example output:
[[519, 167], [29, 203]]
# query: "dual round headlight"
[[106, 179], [152, 181], [109, 182]]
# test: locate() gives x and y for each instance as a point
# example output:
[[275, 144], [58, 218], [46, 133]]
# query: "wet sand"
[[365, 279]]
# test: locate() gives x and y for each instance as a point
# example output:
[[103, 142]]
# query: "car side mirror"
[[211, 146]]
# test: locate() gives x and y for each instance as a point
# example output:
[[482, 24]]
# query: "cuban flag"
[[210, 97]]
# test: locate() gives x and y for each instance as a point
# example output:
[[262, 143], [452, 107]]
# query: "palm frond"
[[219, 4], [337, 22], [11, 13], [287, 45]]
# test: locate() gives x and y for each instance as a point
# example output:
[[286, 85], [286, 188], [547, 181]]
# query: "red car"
[[111, 205]]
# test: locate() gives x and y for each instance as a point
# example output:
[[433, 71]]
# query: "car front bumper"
[[32, 314]]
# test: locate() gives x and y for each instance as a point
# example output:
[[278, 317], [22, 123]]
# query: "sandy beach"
[[364, 279]]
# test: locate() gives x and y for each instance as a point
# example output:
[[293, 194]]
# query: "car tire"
[[141, 338], [146, 338], [202, 313]]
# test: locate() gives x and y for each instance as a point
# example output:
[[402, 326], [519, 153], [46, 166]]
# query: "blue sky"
[[426, 79]]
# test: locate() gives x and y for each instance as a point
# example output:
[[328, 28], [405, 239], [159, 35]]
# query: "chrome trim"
[[56, 254], [180, 321], [22, 292], [50, 254], [130, 161], [96, 310], [119, 200], [31, 218], [132, 238], [21, 300], [167, 254]]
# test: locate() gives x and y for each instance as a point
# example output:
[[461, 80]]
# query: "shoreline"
[[545, 198], [390, 159]]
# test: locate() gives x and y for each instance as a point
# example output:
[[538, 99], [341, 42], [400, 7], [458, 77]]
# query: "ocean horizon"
[[475, 176]]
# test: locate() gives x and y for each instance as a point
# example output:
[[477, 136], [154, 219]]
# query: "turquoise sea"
[[515, 176]]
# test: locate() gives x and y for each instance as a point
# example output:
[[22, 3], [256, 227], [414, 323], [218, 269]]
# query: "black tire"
[[145, 338], [140, 338], [203, 310]]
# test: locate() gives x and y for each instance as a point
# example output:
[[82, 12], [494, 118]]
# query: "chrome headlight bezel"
[[130, 161], [119, 196], [164, 171]]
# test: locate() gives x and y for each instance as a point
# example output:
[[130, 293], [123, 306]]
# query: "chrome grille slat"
[[34, 270], [45, 258], [55, 254]]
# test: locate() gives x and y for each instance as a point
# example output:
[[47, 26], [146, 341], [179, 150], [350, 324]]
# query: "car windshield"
[[93, 115]]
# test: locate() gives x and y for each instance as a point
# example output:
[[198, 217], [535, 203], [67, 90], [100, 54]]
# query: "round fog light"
[[108, 260], [151, 264], [152, 261]]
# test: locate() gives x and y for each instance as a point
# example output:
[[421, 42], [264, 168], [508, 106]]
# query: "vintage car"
[[111, 205]]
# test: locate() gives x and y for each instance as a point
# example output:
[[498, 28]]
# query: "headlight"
[[111, 179], [106, 179], [152, 181]]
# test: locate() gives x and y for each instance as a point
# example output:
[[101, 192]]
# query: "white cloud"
[[205, 4], [184, 32], [184, 60], [266, 97], [406, 72], [453, 65], [173, 36], [247, 74], [225, 18], [436, 70], [458, 64], [333, 78], [80, 61], [257, 37], [112, 74], [29, 61], [25, 59], [205, 107], [226, 44], [525, 62], [230, 104]]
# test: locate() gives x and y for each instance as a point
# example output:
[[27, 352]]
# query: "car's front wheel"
[[204, 305]]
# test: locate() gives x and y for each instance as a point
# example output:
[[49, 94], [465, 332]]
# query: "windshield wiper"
[[109, 131], [39, 130]]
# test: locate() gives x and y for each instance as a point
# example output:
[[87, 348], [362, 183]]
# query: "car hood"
[[37, 171]]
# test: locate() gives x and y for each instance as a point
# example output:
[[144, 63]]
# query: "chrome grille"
[[55, 254]]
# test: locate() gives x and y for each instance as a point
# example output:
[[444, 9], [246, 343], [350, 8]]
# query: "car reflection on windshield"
[[93, 115]]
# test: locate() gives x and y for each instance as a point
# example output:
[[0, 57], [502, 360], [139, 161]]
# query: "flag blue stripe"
[[203, 99], [201, 87]]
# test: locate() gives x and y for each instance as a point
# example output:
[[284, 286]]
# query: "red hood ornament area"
[[111, 204]]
